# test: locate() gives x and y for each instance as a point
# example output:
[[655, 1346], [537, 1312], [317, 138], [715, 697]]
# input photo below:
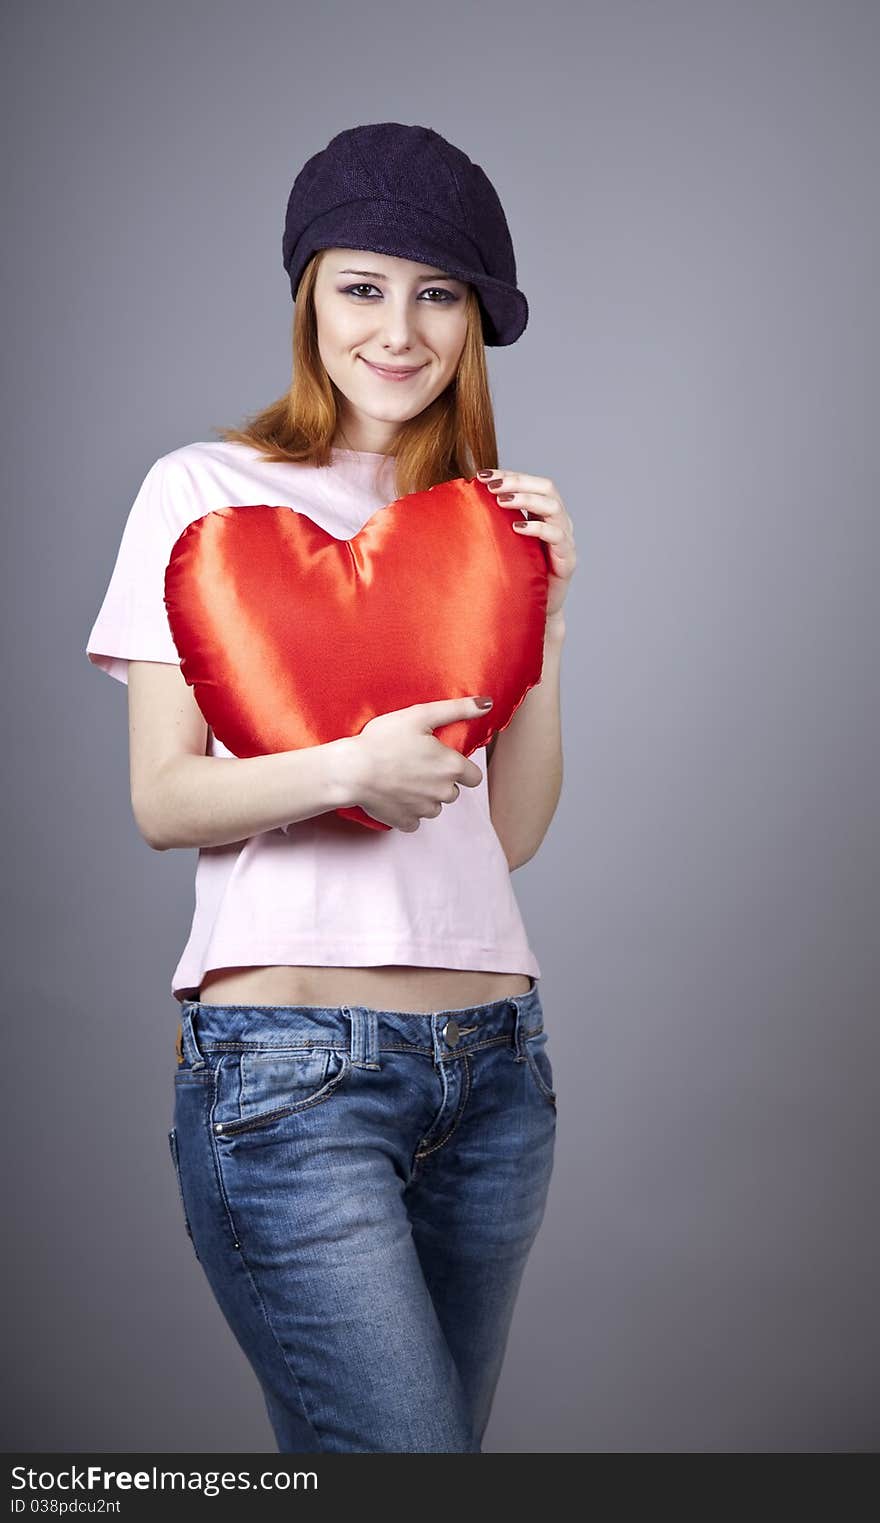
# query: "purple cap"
[[406, 191]]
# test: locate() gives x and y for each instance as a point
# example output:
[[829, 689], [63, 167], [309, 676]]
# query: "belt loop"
[[188, 1038], [364, 1036], [518, 1028]]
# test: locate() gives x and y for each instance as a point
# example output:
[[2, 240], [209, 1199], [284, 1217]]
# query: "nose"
[[399, 326]]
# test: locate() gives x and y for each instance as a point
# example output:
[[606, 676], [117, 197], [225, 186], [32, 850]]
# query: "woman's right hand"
[[399, 772]]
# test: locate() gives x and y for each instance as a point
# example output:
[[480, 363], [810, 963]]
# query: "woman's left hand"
[[538, 495]]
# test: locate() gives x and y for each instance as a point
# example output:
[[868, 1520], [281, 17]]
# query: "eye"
[[366, 285]]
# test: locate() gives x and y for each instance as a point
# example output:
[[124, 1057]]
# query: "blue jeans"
[[362, 1188]]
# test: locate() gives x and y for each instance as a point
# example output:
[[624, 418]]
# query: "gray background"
[[691, 191]]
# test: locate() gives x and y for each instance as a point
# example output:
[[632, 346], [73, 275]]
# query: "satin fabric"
[[290, 637]]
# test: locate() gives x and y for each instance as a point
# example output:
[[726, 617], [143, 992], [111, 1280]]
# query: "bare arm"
[[525, 778], [182, 797], [395, 769]]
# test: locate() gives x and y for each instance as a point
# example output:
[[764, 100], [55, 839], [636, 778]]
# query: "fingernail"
[[484, 474], [484, 703]]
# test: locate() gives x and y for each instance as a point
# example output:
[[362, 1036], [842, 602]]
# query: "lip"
[[391, 373]]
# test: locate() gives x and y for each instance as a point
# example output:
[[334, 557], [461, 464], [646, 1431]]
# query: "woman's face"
[[377, 310]]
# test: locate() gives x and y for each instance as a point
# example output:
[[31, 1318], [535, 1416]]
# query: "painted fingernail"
[[484, 703], [505, 496], [483, 475]]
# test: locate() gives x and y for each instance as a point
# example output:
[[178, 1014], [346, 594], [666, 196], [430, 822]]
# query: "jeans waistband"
[[359, 1029]]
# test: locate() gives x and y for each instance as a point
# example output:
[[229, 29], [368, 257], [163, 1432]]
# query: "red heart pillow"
[[290, 637]]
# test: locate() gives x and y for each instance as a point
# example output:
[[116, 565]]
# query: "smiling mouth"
[[393, 372]]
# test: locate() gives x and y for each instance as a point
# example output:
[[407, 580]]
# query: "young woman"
[[364, 1115]]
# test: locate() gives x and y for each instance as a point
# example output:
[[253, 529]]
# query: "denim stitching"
[[308, 1045], [463, 1099], [252, 1123], [548, 1093], [175, 1157], [248, 1270]]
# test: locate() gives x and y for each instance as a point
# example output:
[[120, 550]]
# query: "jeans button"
[[452, 1032]]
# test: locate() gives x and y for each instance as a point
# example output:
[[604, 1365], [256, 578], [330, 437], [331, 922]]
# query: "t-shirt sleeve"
[[132, 623]]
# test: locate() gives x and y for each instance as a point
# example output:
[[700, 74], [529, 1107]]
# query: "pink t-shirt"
[[321, 891]]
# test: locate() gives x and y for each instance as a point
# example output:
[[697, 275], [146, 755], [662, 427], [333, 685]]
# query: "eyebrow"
[[375, 275]]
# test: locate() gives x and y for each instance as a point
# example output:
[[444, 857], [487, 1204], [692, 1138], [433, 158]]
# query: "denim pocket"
[[175, 1159], [539, 1065], [257, 1087]]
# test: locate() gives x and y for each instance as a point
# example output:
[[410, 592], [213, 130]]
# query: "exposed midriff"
[[406, 988]]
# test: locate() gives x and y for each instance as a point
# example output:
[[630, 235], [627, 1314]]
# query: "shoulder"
[[193, 462], [185, 483]]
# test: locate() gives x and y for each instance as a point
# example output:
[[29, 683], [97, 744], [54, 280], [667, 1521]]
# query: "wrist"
[[342, 772]]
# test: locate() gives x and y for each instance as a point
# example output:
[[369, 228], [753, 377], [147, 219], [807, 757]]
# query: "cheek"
[[341, 331], [450, 356], [450, 342], [338, 357]]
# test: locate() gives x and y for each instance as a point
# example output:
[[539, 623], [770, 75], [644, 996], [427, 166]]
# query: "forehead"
[[387, 266]]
